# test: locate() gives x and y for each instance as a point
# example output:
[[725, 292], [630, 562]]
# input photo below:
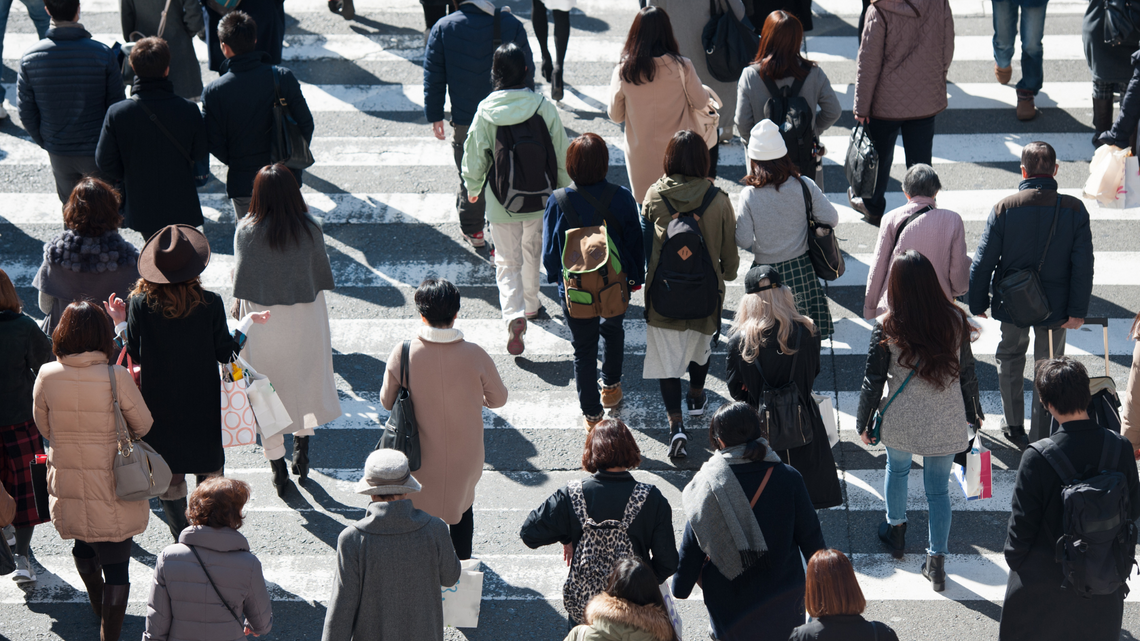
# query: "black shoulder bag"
[[288, 145], [782, 408], [823, 247], [215, 586], [1020, 291], [401, 432]]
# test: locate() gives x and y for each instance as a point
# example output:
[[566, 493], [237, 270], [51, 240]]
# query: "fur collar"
[[90, 255], [643, 617]]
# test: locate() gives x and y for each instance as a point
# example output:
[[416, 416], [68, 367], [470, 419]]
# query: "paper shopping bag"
[[671, 608], [827, 411], [270, 413], [1106, 176], [976, 477], [1131, 182], [461, 601], [238, 427]]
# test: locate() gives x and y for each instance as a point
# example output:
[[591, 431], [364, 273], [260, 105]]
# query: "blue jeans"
[[39, 18], [936, 478], [1032, 29], [585, 334]]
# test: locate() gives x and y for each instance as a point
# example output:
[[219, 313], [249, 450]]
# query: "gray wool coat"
[[390, 568], [183, 607], [183, 21]]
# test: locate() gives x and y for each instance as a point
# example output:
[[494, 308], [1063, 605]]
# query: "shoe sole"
[[22, 580], [515, 331], [699, 411], [678, 451]]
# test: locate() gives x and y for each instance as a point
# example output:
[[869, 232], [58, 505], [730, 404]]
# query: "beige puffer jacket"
[[903, 59], [72, 405]]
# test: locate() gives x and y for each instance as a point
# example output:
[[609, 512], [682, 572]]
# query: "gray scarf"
[[720, 515]]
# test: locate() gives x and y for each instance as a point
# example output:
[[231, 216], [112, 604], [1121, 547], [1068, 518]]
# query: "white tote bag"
[[272, 417], [1131, 182], [461, 601], [1106, 177], [671, 607], [827, 411]]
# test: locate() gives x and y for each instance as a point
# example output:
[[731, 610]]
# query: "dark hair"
[[217, 502], [687, 154], [832, 588], [9, 299], [62, 9], [650, 36], [92, 209], [633, 580], [771, 172], [1063, 383], [738, 423], [610, 444], [238, 31], [508, 67], [437, 300], [926, 326], [150, 57], [587, 159], [779, 52], [1038, 158], [277, 203], [83, 327]]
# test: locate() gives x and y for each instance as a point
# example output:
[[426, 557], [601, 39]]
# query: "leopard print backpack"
[[602, 546]]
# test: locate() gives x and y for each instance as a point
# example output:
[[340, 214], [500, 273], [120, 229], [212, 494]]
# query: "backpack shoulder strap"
[[636, 502], [798, 84], [1110, 452], [578, 501], [770, 85], [497, 29], [562, 197], [1057, 459], [602, 207], [713, 190], [405, 354]]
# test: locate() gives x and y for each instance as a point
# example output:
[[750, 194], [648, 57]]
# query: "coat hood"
[[620, 620], [684, 192], [219, 539], [392, 517], [510, 106], [900, 7]]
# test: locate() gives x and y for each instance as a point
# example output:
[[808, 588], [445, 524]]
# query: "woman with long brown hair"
[[920, 350], [281, 265], [779, 64]]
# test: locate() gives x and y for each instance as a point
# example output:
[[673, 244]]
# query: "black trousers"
[[918, 143], [462, 533]]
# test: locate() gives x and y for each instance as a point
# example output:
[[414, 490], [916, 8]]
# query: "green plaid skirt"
[[799, 276]]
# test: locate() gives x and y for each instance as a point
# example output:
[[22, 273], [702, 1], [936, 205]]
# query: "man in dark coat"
[[239, 108], [154, 157], [66, 83], [457, 61], [1016, 235], [1036, 606], [269, 16], [183, 21]]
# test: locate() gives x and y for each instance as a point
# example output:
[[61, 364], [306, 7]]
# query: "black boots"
[[280, 476], [556, 87], [678, 439], [114, 610], [301, 458], [175, 512], [894, 536], [1016, 435], [1102, 117], [547, 66], [935, 570], [92, 575]]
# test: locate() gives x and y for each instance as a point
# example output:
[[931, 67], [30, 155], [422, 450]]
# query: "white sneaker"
[[24, 571], [10, 535], [3, 112]]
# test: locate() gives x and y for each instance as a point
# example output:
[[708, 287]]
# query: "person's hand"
[[982, 315], [567, 552], [1073, 323], [249, 631], [866, 436], [116, 308], [862, 119], [473, 199], [260, 318], [635, 288], [437, 129]]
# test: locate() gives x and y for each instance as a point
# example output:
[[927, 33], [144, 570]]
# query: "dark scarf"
[[90, 255]]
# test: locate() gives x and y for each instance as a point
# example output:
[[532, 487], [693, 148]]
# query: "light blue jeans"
[[936, 478], [39, 18], [1032, 30]]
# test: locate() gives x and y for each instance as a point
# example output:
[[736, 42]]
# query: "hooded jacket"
[[903, 77], [23, 350], [503, 108], [609, 618]]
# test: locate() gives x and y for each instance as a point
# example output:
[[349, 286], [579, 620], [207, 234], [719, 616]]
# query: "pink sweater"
[[938, 234]]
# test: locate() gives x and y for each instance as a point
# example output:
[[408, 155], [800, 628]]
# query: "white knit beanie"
[[765, 142]]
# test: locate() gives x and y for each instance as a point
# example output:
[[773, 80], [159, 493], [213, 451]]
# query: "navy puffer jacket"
[[65, 85]]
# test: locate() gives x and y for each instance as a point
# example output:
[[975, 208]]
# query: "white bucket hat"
[[386, 472], [765, 142]]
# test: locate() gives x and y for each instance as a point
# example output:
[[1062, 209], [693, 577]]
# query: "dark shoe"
[[347, 9], [697, 405], [858, 205], [280, 476], [678, 439], [1016, 435], [175, 513], [556, 86], [92, 574], [301, 458], [335, 5], [547, 67], [893, 535], [114, 609], [1102, 118], [935, 569]]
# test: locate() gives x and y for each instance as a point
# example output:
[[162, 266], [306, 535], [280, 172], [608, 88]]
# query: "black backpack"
[[789, 423], [1098, 547], [793, 115], [685, 286], [524, 167], [730, 45]]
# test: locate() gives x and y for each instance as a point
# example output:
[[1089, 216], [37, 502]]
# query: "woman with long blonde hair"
[[772, 345]]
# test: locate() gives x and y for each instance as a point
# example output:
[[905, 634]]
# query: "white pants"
[[518, 257]]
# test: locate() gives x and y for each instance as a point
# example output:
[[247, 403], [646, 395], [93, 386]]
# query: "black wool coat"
[[1106, 62], [23, 349], [1036, 607], [158, 181], [270, 18], [181, 382], [843, 627]]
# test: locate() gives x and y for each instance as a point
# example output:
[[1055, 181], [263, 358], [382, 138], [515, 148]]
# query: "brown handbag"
[[7, 508]]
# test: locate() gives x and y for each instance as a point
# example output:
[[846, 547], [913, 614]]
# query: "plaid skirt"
[[799, 276], [18, 444]]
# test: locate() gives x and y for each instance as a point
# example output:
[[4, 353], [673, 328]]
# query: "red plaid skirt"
[[18, 444]]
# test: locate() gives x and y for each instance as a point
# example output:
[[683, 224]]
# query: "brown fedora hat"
[[174, 254]]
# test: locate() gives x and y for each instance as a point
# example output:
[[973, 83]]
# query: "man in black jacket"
[[239, 108], [151, 143], [1017, 237], [65, 85]]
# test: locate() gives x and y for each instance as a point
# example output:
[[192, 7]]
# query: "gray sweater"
[[773, 222], [751, 95], [390, 568], [279, 277]]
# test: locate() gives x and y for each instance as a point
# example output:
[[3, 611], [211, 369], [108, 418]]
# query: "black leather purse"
[[862, 163], [1020, 291], [823, 247], [401, 432], [289, 145]]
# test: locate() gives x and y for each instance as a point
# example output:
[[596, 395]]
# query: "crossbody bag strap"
[[1049, 240], [215, 586], [760, 490], [162, 21], [163, 129], [405, 354], [909, 220], [898, 391]]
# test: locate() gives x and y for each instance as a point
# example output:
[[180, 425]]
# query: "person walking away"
[[835, 603], [1110, 65], [773, 222], [631, 607], [771, 345], [578, 514], [457, 64], [23, 351], [1020, 234], [281, 266], [210, 561], [938, 234], [926, 338], [66, 83], [552, 69], [675, 341], [77, 398], [517, 234], [1041, 599], [40, 20], [753, 583], [1032, 20], [238, 107], [269, 23], [651, 92], [594, 201], [89, 259], [450, 381], [176, 331], [900, 85], [780, 64], [1130, 399], [394, 550], [154, 158], [177, 26], [1122, 133]]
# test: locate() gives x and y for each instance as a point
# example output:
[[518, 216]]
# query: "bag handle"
[[763, 484], [215, 586], [162, 22], [121, 432], [807, 203], [909, 220], [405, 351], [1049, 240], [164, 130], [277, 88]]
